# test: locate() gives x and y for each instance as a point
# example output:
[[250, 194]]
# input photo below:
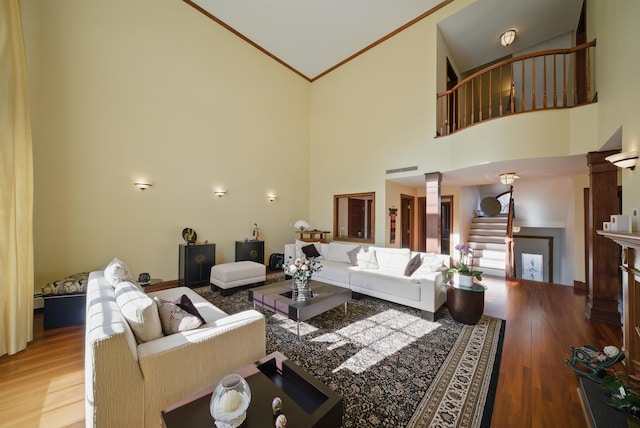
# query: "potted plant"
[[464, 273], [625, 394]]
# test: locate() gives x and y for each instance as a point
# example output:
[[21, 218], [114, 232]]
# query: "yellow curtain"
[[16, 187]]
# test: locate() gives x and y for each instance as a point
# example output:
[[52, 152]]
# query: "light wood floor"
[[44, 384]]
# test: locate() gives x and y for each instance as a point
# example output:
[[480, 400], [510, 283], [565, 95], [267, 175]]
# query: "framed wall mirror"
[[354, 217]]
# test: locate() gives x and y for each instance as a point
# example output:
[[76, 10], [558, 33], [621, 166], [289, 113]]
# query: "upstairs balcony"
[[551, 79]]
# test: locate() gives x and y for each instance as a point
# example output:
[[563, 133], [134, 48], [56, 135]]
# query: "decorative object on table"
[[625, 394], [255, 233], [301, 225], [592, 363], [144, 278], [230, 401], [189, 235], [281, 421], [276, 406], [301, 270], [620, 223], [464, 270], [393, 212]]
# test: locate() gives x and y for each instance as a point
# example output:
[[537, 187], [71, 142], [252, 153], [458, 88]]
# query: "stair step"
[[489, 263], [487, 246], [497, 228], [489, 220], [486, 239], [493, 232], [490, 254], [499, 273]]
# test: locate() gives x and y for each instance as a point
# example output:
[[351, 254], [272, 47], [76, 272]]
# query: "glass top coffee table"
[[277, 297]]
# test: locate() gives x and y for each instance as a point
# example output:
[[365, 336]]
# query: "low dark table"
[[306, 402], [466, 303], [277, 298]]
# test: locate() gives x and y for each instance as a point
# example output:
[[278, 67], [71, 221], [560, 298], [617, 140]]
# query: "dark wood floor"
[[44, 384]]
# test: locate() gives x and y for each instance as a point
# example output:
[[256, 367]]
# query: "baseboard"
[[580, 285], [38, 301]]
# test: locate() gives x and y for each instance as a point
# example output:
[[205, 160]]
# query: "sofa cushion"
[[185, 303], [353, 255], [175, 319], [386, 282], [338, 252], [311, 251], [140, 311], [117, 271], [413, 265], [333, 272], [392, 259], [299, 254], [367, 260]]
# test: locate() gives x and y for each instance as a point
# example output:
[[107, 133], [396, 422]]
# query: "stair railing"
[[551, 79], [509, 269]]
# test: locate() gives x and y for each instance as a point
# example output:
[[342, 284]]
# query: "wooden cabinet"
[[630, 266], [194, 264], [252, 251]]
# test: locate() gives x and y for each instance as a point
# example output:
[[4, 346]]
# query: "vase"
[[462, 280], [230, 401], [301, 289]]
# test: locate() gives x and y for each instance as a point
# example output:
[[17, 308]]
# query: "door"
[[446, 220], [406, 221], [356, 218]]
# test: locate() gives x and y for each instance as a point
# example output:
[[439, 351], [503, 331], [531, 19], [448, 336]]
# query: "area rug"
[[392, 368]]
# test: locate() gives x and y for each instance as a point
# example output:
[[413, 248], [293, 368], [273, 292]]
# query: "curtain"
[[16, 187]]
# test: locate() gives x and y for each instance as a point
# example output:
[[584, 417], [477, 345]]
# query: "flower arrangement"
[[466, 263], [625, 392], [302, 268]]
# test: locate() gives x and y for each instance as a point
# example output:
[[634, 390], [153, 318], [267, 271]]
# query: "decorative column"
[[603, 268], [433, 224]]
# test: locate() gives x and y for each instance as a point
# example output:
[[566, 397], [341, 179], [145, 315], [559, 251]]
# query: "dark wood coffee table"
[[306, 402], [277, 297]]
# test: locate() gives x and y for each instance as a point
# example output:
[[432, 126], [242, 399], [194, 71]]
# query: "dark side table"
[[466, 303]]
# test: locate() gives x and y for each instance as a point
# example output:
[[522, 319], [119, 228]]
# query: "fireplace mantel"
[[624, 239]]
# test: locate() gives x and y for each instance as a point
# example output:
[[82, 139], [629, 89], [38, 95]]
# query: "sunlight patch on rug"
[[378, 337]]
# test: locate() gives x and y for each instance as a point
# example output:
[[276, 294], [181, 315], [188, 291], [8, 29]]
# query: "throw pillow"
[[413, 265], [310, 251], [117, 271], [185, 303], [139, 310], [174, 319], [338, 252], [299, 244], [353, 255], [367, 260]]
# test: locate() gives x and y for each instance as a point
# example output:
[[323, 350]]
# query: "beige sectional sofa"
[[128, 383], [381, 272]]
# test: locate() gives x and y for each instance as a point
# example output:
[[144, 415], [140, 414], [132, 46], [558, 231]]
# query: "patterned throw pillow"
[[117, 271], [367, 260], [175, 319], [353, 255], [185, 303], [413, 265]]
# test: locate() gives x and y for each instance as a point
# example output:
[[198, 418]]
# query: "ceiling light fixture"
[[219, 193], [142, 185], [507, 37], [271, 198], [624, 160], [507, 178]]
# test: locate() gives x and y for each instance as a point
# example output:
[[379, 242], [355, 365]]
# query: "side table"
[[466, 303]]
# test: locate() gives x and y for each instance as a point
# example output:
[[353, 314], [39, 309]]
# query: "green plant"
[[625, 391], [466, 263]]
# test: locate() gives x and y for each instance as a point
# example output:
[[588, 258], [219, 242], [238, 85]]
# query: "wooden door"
[[356, 218], [406, 221]]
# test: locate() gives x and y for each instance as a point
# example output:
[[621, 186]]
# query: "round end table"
[[466, 303]]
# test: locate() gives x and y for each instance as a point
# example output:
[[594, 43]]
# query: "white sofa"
[[128, 383], [385, 277]]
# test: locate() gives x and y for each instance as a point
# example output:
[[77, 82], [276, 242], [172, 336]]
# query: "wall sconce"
[[271, 198], [219, 193], [507, 37], [507, 178], [142, 185], [624, 160]]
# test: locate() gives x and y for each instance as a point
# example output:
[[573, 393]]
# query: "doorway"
[[446, 220]]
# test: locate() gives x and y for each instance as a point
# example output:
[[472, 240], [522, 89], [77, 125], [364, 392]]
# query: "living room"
[[124, 91]]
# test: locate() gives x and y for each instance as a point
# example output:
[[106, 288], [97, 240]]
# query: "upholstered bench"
[[65, 301], [227, 276]]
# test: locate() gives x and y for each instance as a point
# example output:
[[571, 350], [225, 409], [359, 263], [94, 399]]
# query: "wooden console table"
[[313, 235]]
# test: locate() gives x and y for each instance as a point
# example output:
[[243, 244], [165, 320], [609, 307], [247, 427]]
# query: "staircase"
[[486, 237]]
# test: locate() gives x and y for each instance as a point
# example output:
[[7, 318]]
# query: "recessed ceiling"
[[314, 36]]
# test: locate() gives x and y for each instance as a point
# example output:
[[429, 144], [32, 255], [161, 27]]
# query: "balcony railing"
[[551, 79]]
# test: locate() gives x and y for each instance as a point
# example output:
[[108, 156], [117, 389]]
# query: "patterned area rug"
[[392, 368]]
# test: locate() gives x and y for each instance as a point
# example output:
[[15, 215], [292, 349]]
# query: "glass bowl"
[[230, 401]]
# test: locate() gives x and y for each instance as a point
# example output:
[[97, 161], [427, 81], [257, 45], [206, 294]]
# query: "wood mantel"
[[630, 267]]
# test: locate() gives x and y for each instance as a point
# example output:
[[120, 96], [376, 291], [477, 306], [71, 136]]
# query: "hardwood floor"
[[43, 386]]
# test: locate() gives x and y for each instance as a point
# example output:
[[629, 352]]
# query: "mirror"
[[354, 218]]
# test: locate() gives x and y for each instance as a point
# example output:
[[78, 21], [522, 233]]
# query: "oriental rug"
[[392, 368]]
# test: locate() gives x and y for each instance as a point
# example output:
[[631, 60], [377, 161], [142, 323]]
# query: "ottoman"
[[227, 276], [65, 301]]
